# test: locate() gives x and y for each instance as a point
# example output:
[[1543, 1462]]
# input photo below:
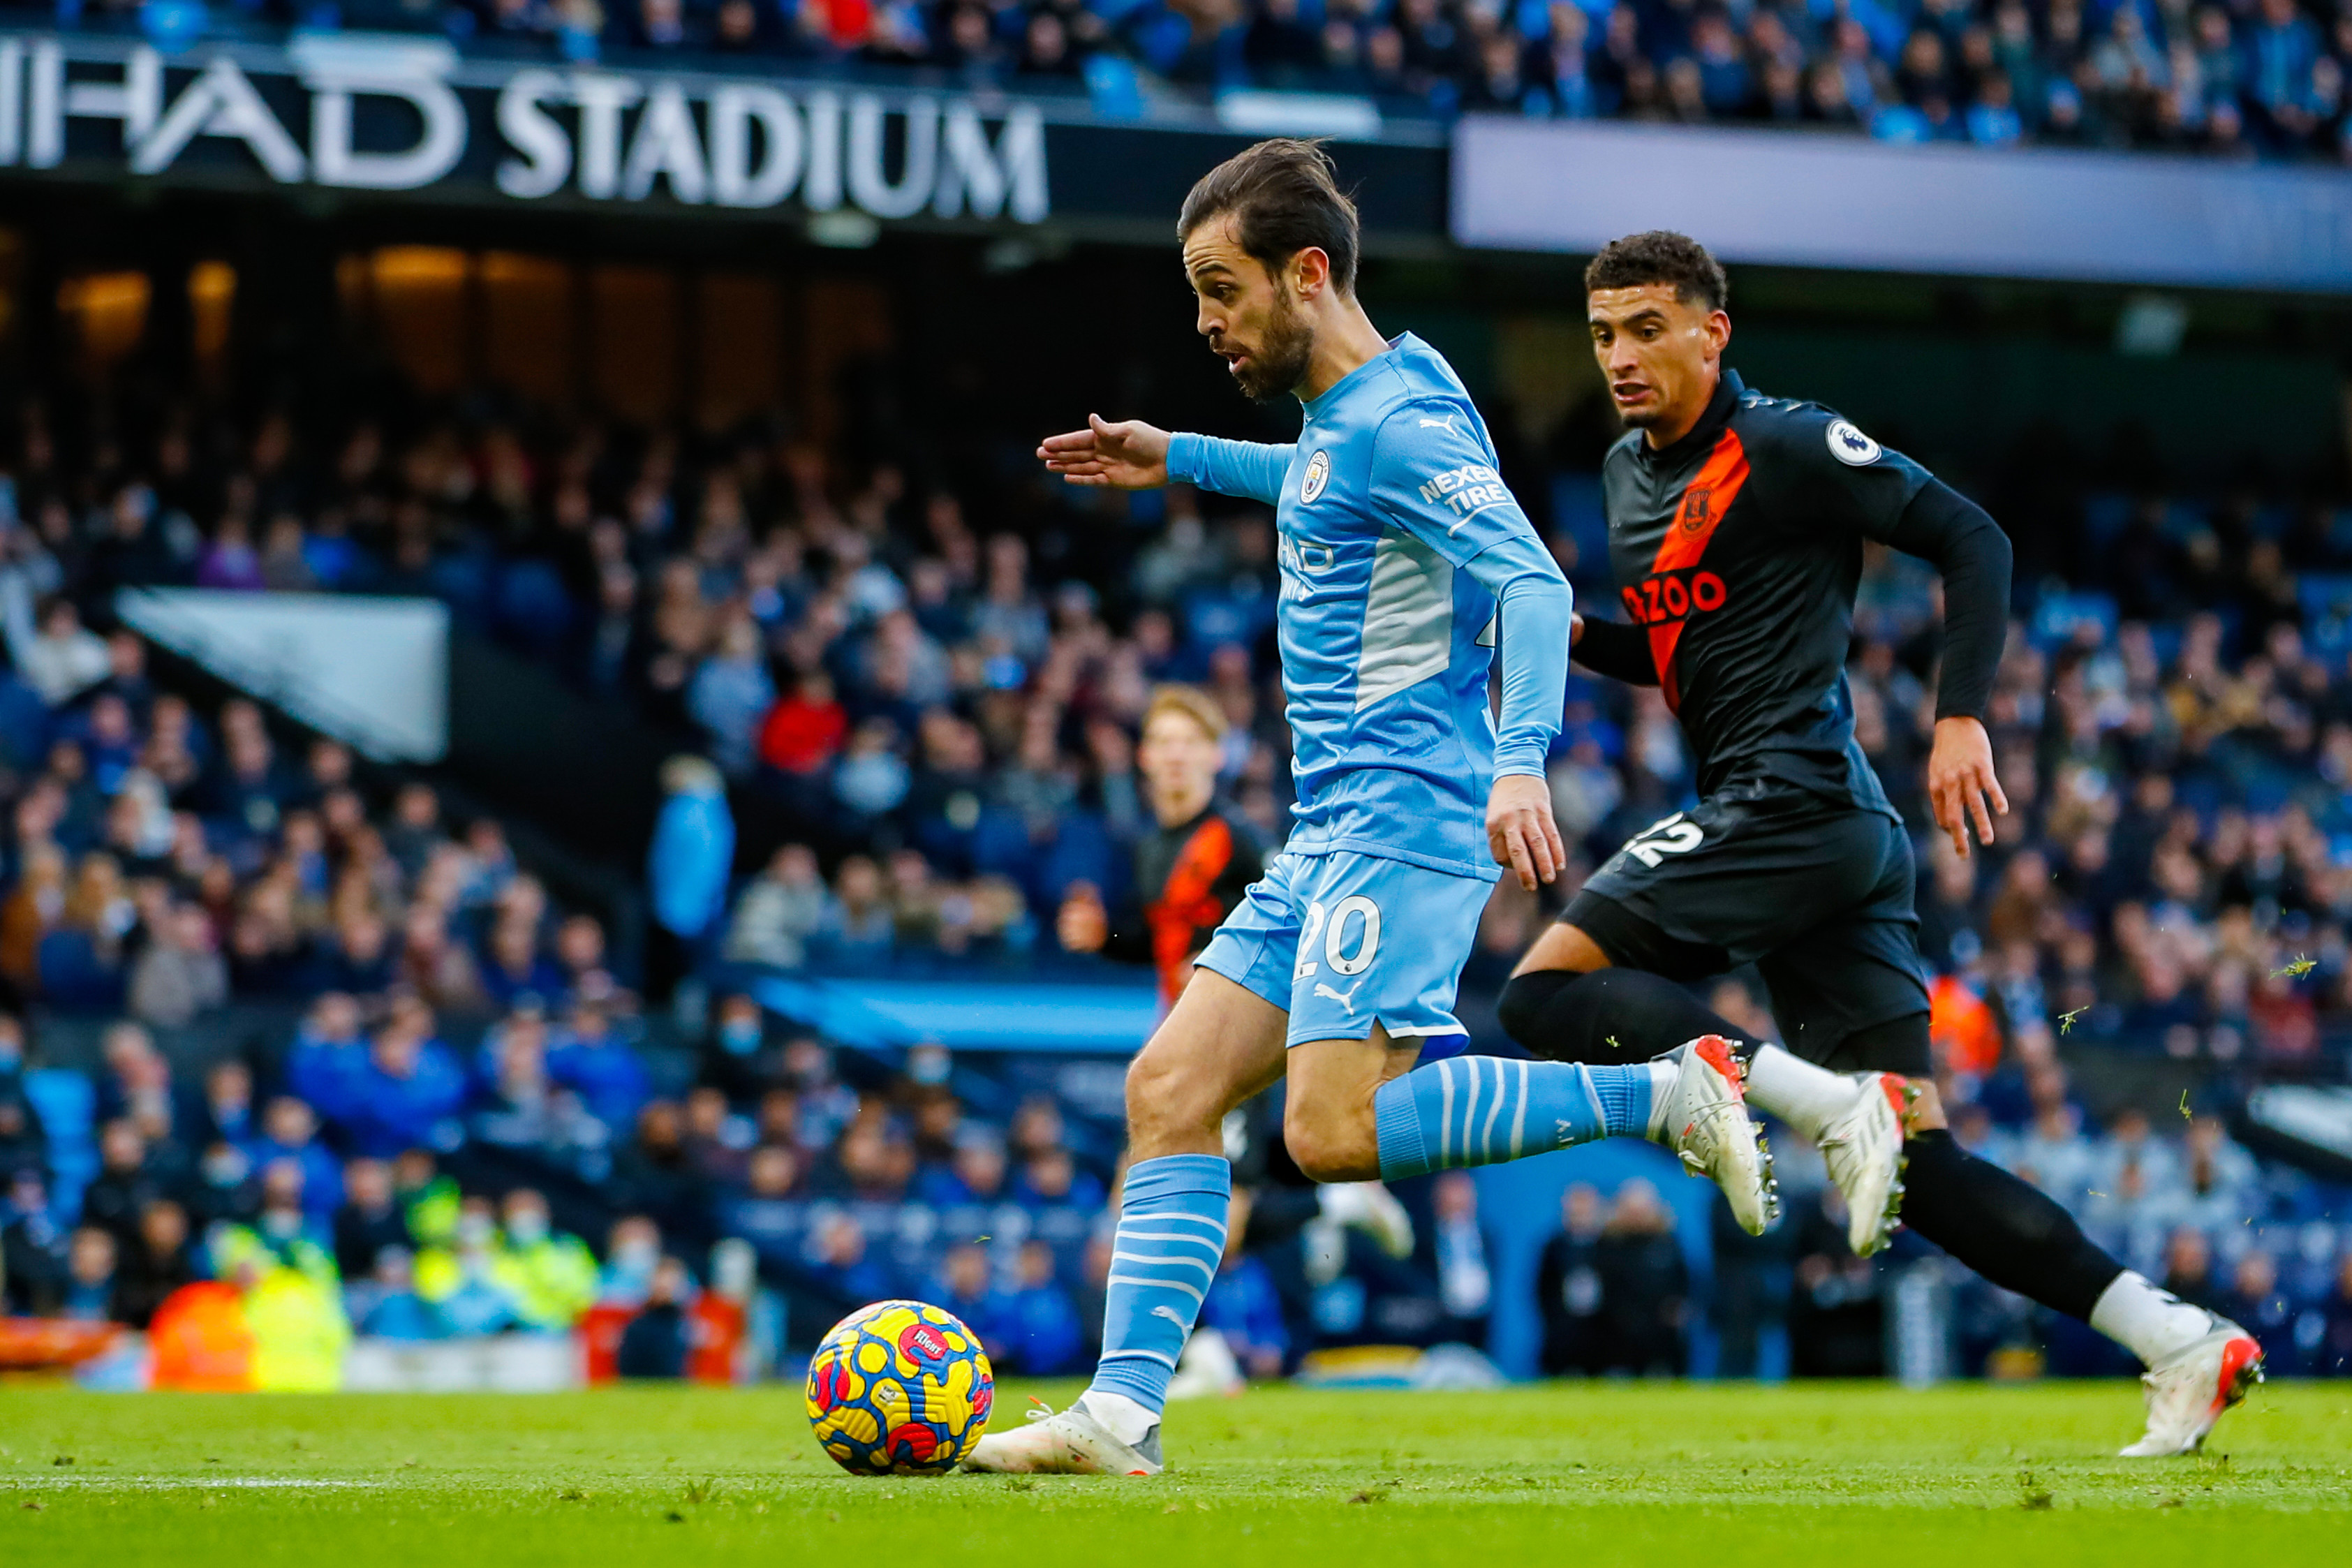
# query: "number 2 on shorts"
[[1333, 928], [1674, 836]]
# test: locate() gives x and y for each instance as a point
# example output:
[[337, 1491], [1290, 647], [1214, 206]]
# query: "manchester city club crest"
[[1318, 474]]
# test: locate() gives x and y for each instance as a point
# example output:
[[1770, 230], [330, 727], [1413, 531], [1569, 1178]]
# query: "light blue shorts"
[[1342, 940]]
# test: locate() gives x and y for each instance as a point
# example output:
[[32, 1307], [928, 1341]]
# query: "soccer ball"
[[900, 1388]]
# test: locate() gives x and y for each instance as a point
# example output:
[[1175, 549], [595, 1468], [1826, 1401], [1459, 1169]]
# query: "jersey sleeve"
[[1850, 481], [1535, 606], [1254, 470], [1433, 477], [1843, 478]]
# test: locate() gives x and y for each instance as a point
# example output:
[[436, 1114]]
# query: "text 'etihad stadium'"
[[602, 134]]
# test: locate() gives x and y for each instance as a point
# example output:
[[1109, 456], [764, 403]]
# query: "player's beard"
[[1279, 364]]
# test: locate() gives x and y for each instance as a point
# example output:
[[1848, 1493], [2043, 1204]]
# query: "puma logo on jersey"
[[1445, 424], [1346, 1000]]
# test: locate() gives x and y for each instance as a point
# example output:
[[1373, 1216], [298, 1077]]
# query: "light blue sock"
[[1481, 1111], [1170, 1237]]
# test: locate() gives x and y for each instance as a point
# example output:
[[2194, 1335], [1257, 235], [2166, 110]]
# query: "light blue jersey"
[[1398, 538]]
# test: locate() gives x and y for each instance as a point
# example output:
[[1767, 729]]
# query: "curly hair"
[[1661, 255]]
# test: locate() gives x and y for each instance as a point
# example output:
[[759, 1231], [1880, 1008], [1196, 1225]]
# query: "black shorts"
[[1817, 895]]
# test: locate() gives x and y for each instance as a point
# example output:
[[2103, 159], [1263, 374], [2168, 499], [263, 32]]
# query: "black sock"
[[2012, 1232], [1603, 1015]]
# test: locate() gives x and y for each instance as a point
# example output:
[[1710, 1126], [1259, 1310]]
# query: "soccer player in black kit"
[[1736, 528]]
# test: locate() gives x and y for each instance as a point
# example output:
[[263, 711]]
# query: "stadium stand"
[[2247, 78], [282, 1015]]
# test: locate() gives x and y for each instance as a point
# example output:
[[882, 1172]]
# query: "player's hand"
[[1083, 926], [1520, 831], [1129, 456], [1575, 629], [1961, 782]]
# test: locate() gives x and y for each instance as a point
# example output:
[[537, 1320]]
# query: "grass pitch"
[[1842, 1476]]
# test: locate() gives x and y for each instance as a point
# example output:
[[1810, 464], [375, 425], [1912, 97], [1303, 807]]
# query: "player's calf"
[[1481, 1111]]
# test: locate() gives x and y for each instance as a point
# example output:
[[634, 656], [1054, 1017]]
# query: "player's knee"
[[1524, 998], [1327, 1147], [1163, 1096]]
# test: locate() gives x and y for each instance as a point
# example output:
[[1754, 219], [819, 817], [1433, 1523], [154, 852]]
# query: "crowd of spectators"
[[2234, 78], [422, 1186], [948, 728]]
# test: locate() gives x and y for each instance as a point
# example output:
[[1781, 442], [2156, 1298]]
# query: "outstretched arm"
[[1942, 526], [1250, 468], [1129, 454], [1126, 456]]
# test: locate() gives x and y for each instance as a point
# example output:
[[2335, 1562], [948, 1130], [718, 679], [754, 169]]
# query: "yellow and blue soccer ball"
[[900, 1388]]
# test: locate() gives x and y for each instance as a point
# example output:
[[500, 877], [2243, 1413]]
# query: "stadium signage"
[[1791, 199], [383, 113]]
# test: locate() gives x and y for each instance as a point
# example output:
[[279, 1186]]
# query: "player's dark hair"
[[1285, 196], [1661, 255]]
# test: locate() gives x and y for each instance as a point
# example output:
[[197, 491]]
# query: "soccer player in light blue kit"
[[1406, 565]]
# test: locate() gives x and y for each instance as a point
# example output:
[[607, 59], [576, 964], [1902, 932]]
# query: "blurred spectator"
[[1645, 1285], [779, 911], [2256, 1303], [736, 1058], [1568, 1287], [464, 1280], [693, 844], [124, 1187], [588, 1056], [1465, 1281], [160, 1262], [1038, 1320], [386, 1304], [1243, 1306], [370, 1222], [92, 1284], [32, 1247], [654, 1343], [631, 1255], [411, 1089], [550, 1276], [290, 1132], [2333, 1356]]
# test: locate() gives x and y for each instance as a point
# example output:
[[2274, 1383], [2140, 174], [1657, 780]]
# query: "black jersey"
[[1738, 550], [1187, 880]]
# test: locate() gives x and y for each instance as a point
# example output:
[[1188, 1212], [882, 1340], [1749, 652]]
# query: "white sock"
[[1664, 1071], [1805, 1097], [2150, 1322], [1125, 1419]]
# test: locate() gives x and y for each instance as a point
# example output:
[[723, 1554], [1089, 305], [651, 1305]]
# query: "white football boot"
[[2189, 1390], [1704, 1121], [1063, 1443], [1370, 1208], [1863, 1146]]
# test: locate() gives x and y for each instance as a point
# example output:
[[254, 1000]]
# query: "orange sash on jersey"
[[1705, 500], [1188, 903]]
